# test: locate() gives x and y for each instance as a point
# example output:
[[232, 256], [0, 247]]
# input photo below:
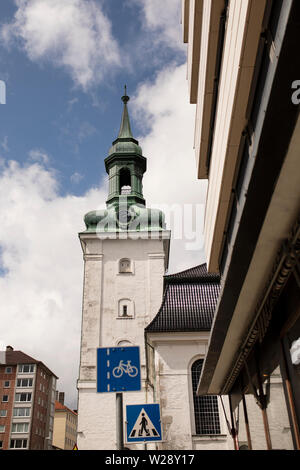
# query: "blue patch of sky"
[[74, 128]]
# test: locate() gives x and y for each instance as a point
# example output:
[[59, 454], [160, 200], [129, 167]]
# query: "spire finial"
[[125, 98]]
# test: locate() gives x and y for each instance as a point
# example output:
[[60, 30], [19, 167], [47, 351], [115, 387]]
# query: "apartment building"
[[65, 426], [243, 76], [27, 397]]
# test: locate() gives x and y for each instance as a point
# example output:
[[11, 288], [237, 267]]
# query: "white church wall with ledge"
[[174, 355], [101, 408], [93, 272], [104, 287], [142, 305]]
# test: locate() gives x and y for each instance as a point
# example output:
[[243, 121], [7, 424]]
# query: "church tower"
[[125, 250]]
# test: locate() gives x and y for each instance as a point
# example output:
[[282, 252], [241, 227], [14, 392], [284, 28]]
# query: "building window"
[[5, 398], [8, 370], [125, 181], [126, 308], [23, 396], [23, 383], [18, 443], [1, 444], [2, 428], [3, 413], [21, 412], [6, 384], [125, 265], [206, 410], [20, 427], [26, 368]]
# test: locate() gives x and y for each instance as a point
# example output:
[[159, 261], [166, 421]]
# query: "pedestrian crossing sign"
[[143, 423]]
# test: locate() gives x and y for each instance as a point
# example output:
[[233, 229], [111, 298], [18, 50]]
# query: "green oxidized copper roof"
[[125, 214], [125, 142], [125, 129], [120, 218]]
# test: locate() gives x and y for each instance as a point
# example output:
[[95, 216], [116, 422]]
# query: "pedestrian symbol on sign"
[[143, 427]]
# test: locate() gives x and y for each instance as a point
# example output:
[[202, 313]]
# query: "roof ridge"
[[187, 270], [198, 272], [60, 406], [13, 357]]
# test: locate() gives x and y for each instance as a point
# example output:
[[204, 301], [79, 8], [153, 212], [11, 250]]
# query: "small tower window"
[[125, 266], [125, 309], [125, 181]]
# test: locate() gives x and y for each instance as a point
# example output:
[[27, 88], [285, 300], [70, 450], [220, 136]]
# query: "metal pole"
[[291, 403], [293, 412], [119, 421], [234, 433], [247, 423], [267, 429], [263, 400]]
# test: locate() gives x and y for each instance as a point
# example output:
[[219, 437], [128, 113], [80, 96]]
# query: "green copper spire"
[[125, 143], [125, 164], [125, 129], [125, 206]]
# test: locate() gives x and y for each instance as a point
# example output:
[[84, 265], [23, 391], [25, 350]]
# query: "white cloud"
[[74, 34], [76, 177], [163, 20], [171, 179], [38, 155], [42, 268], [4, 144]]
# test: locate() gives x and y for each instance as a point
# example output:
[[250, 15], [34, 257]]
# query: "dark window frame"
[[206, 409]]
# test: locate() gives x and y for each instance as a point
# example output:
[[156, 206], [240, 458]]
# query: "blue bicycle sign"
[[118, 369]]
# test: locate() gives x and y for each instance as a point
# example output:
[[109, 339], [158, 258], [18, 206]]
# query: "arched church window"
[[206, 411], [124, 342], [125, 265], [125, 181]]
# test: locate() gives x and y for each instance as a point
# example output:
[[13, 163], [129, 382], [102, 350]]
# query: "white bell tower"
[[125, 250]]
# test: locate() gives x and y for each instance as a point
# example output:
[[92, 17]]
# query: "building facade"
[[125, 249], [176, 345], [27, 396], [243, 71], [65, 427]]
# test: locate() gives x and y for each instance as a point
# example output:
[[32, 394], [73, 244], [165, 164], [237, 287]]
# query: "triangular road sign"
[[143, 427]]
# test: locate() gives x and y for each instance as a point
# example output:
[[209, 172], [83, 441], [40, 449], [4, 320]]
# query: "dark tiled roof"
[[198, 273], [189, 302], [18, 357], [13, 357]]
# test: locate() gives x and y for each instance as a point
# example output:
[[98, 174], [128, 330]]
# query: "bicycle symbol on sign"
[[127, 368]]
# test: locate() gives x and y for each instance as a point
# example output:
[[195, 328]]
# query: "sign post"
[[118, 371], [119, 421]]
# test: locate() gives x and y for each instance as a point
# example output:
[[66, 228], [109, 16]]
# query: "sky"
[[64, 66]]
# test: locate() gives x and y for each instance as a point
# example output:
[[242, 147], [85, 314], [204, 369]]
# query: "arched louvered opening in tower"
[[125, 181]]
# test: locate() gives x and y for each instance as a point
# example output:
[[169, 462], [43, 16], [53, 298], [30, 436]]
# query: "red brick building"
[[27, 398]]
